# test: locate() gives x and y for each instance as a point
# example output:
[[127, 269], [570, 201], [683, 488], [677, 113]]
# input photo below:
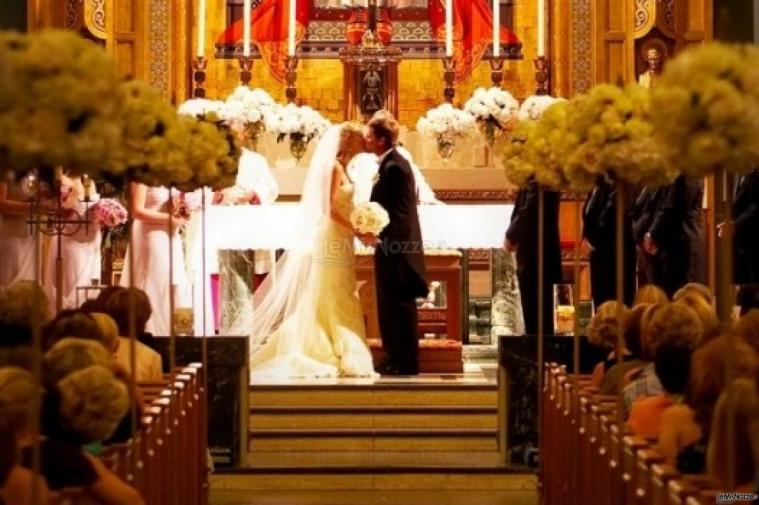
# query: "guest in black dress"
[[599, 233], [522, 237]]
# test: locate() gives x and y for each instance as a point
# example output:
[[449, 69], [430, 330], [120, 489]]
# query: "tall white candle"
[[246, 28], [201, 48], [291, 30], [541, 28], [496, 28], [448, 28]]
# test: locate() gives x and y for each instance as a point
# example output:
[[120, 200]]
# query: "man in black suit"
[[522, 237], [674, 240], [643, 211], [400, 275], [599, 233], [746, 228]]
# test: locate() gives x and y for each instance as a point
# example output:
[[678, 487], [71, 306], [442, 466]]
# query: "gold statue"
[[654, 61]]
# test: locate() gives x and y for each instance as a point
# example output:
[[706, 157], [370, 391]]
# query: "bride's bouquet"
[[300, 124], [446, 124], [495, 109], [109, 212], [369, 218]]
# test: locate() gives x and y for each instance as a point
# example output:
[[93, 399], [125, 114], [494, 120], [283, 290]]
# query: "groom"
[[400, 276]]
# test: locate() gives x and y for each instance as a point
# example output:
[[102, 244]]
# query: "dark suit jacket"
[[523, 232], [746, 219], [643, 212], [401, 240]]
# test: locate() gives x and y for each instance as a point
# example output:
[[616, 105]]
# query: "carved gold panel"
[[87, 17]]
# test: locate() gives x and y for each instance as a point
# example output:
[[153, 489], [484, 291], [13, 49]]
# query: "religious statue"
[[371, 92], [654, 61]]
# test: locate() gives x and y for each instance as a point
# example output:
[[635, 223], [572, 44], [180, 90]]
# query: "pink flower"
[[110, 212]]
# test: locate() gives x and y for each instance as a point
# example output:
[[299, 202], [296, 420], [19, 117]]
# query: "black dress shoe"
[[389, 369]]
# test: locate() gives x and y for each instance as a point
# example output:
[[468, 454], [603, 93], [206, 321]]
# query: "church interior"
[[326, 252]]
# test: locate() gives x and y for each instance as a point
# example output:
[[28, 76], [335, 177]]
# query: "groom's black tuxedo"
[[400, 275]]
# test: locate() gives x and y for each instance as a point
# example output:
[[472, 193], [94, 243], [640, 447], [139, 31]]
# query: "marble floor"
[[375, 497], [473, 375]]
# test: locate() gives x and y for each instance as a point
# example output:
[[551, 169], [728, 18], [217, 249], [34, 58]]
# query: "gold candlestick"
[[292, 78], [246, 64], [199, 77], [542, 76], [496, 71], [448, 76]]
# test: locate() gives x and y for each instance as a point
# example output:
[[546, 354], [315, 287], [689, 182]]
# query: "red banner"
[[472, 32], [269, 32]]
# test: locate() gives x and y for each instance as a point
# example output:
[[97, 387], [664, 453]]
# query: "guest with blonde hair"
[[650, 293], [747, 328], [695, 288], [615, 378], [606, 330], [705, 311]]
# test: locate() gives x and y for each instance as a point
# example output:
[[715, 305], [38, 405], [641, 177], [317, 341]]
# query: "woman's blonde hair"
[[92, 403], [736, 420], [650, 293], [349, 131], [108, 329], [695, 288], [608, 324], [705, 311], [19, 396], [747, 328], [22, 301], [676, 325], [71, 354]]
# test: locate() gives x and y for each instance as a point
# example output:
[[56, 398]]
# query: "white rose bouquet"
[[369, 218], [494, 109], [298, 124], [446, 124]]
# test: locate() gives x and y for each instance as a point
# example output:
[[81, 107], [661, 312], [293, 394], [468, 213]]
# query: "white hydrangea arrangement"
[[446, 124], [369, 218], [299, 124], [495, 109], [534, 106], [250, 108], [202, 107]]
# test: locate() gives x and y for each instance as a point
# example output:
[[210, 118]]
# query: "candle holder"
[[291, 64], [199, 76], [246, 64], [542, 75], [448, 76], [496, 70]]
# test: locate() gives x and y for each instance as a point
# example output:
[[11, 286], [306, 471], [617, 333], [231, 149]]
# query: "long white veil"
[[288, 295]]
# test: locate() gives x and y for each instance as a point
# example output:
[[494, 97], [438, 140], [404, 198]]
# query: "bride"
[[307, 317]]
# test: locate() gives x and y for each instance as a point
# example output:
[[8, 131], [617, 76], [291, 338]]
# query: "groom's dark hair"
[[386, 127]]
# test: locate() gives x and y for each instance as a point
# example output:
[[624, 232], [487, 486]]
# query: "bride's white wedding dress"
[[308, 319]]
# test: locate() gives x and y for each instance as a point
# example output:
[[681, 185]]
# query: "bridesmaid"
[[80, 247], [150, 243], [16, 241]]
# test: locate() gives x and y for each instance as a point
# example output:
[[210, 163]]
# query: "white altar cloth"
[[275, 226]]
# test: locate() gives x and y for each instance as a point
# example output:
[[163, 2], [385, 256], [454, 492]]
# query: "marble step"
[[373, 459], [370, 420], [415, 440]]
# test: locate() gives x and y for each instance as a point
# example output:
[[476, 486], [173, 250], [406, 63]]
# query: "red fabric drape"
[[472, 32], [269, 32]]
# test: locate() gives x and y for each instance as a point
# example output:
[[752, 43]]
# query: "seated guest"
[[149, 367], [695, 288], [685, 427], [71, 323], [735, 421], [747, 328], [650, 293], [22, 305], [614, 378], [605, 330], [680, 333], [16, 482], [748, 298], [705, 311]]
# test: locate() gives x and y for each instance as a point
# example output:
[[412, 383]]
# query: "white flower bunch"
[[294, 120], [445, 120], [493, 105], [369, 218], [201, 107], [248, 105], [533, 107]]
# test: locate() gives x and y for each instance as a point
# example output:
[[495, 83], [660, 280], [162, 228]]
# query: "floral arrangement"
[[705, 108], [369, 218], [518, 164], [57, 102], [109, 212], [300, 124], [494, 109], [154, 143], [212, 154], [615, 138], [202, 107], [249, 107], [534, 106], [446, 124]]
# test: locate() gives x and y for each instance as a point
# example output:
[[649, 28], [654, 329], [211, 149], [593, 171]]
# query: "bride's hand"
[[368, 239]]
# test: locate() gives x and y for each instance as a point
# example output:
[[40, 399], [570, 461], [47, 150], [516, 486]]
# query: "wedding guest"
[[17, 247], [522, 239], [685, 427], [150, 244], [697, 289], [79, 247], [71, 323], [642, 212], [745, 226], [735, 435], [599, 233], [651, 293], [674, 239], [706, 313], [605, 330], [747, 328], [681, 331], [615, 378], [22, 305]]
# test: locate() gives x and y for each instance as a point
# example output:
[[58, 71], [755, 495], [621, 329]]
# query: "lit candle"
[[201, 29], [291, 30], [448, 28], [541, 27], [246, 28], [496, 28]]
